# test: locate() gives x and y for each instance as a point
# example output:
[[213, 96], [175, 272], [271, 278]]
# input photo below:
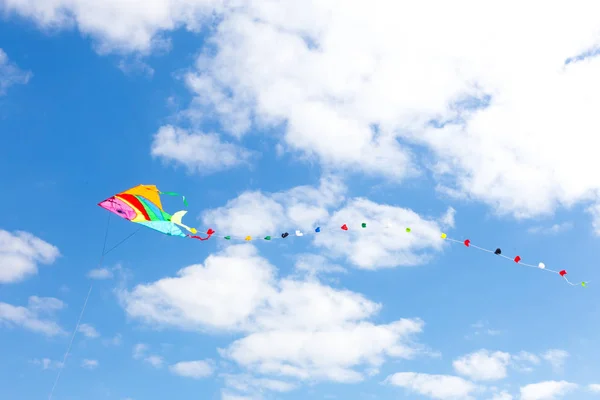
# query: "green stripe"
[[151, 214]]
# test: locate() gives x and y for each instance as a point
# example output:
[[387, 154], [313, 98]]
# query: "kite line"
[[87, 297]]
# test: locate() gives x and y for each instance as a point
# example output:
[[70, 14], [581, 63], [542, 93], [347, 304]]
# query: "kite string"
[[80, 315], [121, 242], [70, 343]]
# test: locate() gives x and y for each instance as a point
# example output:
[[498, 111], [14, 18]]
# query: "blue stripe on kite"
[[152, 207]]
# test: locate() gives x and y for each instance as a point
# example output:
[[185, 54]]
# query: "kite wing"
[[141, 204]]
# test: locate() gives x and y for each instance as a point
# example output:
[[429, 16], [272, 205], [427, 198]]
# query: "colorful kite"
[[141, 204]]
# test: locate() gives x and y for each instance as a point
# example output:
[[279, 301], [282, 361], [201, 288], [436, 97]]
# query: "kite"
[[141, 204]]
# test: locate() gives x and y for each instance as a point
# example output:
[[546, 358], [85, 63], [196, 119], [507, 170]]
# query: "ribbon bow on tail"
[[209, 233]]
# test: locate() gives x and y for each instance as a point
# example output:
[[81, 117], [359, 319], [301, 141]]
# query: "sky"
[[477, 120]]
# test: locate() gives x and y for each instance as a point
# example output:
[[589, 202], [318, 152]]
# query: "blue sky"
[[267, 130]]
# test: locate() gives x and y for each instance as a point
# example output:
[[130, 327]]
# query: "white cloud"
[[231, 396], [139, 350], [443, 387], [250, 384], [100, 273], [114, 341], [154, 360], [325, 354], [316, 264], [115, 26], [447, 219], [523, 361], [45, 304], [30, 317], [396, 87], [199, 152], [193, 369], [292, 328], [483, 365], [10, 75], [220, 294], [88, 331], [551, 230], [556, 358], [135, 65], [384, 242], [403, 80], [47, 363], [89, 364], [549, 390], [482, 328], [502, 396], [258, 214], [528, 357], [594, 387], [20, 254]]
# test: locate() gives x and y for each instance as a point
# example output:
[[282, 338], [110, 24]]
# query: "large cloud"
[[221, 294], [299, 329], [364, 87], [20, 254], [482, 104]]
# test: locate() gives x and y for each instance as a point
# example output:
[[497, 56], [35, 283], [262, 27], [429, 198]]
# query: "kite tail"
[[582, 283], [175, 194], [209, 233]]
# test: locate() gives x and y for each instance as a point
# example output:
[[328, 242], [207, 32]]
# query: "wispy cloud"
[[154, 360], [140, 351], [100, 273], [135, 65], [594, 387], [30, 317], [88, 331], [47, 363], [447, 220], [556, 358], [193, 369], [114, 341], [551, 230], [481, 328], [11, 74], [20, 254], [89, 364]]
